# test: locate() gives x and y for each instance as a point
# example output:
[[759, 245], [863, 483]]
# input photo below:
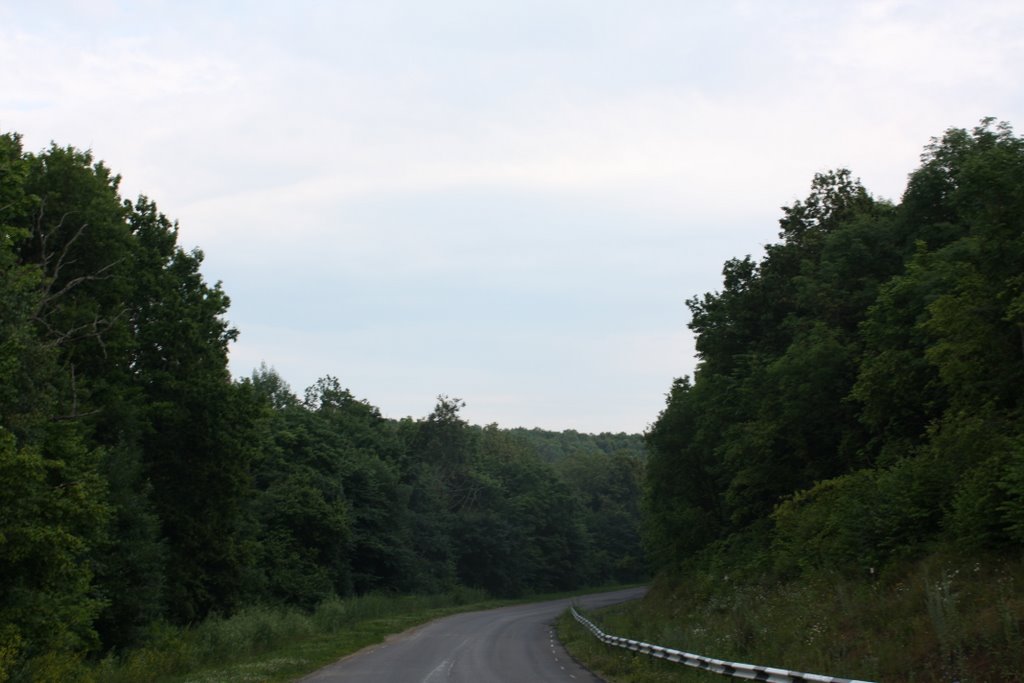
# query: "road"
[[509, 644]]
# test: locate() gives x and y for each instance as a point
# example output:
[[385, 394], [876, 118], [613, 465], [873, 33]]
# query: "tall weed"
[[257, 631], [897, 624]]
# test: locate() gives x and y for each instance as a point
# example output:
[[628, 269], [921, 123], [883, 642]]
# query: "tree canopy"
[[140, 483], [860, 387]]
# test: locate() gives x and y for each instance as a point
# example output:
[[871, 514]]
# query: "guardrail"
[[734, 669]]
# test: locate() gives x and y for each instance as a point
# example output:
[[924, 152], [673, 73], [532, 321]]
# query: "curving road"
[[510, 644]]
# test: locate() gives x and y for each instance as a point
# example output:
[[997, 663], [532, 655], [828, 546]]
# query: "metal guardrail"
[[734, 669]]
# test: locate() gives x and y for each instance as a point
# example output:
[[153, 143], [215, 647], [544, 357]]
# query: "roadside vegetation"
[[151, 505], [273, 643], [839, 488], [944, 617], [262, 644]]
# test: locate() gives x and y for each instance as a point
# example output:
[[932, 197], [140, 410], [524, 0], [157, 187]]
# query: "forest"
[[140, 484], [873, 361], [853, 434], [856, 421]]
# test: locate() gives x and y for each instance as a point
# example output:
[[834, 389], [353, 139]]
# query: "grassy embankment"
[[266, 644], [941, 618], [272, 645]]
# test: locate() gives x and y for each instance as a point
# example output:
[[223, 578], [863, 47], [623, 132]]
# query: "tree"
[[609, 489], [874, 353], [51, 494]]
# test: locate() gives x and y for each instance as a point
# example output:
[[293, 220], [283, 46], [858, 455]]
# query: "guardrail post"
[[734, 669]]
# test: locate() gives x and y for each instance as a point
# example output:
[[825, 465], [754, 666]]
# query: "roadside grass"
[[276, 644], [940, 618], [611, 663]]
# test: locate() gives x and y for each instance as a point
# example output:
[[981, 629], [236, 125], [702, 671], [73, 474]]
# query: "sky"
[[505, 202]]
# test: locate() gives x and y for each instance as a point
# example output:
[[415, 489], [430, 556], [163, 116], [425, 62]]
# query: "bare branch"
[[71, 284], [62, 259], [53, 263], [92, 329], [46, 256]]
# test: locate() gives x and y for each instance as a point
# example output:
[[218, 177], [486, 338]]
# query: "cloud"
[[511, 199], [933, 44]]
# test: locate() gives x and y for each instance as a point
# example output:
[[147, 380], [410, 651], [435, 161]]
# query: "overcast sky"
[[504, 202]]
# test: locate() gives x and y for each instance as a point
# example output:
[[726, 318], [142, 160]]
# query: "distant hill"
[[555, 446]]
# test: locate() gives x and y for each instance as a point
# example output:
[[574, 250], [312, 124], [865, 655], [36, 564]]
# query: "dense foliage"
[[140, 484], [860, 390]]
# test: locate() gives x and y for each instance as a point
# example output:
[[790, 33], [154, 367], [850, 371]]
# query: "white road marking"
[[443, 671]]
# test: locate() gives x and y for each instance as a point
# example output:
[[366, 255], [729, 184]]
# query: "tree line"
[[860, 388], [141, 484]]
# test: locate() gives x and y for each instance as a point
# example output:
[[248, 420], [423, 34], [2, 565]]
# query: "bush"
[[829, 526], [1012, 485], [861, 520], [252, 631]]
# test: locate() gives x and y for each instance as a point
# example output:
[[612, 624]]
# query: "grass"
[[940, 618], [272, 644], [275, 644]]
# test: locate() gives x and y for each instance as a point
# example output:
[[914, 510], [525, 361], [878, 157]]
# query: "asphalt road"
[[505, 645]]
